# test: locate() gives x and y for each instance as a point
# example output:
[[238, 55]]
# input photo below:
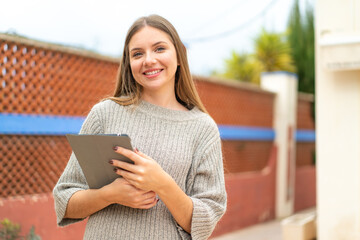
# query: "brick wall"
[[305, 151], [44, 79], [305, 188], [305, 118], [246, 156], [38, 210], [38, 78], [305, 154], [251, 197], [236, 103], [305, 178]]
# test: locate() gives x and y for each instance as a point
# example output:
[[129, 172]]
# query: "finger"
[[141, 154], [150, 194], [123, 180], [136, 184], [123, 165], [149, 200], [150, 205], [128, 153], [129, 176]]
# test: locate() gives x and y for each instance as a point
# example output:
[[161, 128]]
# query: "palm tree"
[[273, 51], [243, 67]]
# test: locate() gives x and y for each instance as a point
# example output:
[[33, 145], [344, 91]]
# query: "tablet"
[[93, 153]]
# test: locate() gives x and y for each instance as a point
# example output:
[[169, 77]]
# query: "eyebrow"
[[157, 43]]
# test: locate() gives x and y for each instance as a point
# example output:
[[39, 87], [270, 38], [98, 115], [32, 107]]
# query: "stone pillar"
[[284, 84]]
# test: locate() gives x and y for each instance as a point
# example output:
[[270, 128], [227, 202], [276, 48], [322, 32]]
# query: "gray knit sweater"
[[187, 146]]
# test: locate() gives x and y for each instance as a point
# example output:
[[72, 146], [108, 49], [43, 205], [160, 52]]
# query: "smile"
[[152, 72]]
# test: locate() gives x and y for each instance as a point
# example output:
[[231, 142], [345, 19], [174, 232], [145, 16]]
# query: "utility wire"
[[231, 31], [219, 16]]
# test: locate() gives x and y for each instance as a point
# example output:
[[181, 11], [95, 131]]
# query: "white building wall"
[[338, 119]]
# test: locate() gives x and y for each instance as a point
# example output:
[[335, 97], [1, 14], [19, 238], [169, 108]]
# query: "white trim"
[[331, 41]]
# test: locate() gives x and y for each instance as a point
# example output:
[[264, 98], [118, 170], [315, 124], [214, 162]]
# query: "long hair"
[[128, 91]]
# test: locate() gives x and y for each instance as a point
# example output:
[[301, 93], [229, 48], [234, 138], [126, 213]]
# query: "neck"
[[166, 100]]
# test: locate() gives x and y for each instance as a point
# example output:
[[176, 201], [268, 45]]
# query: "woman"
[[175, 189]]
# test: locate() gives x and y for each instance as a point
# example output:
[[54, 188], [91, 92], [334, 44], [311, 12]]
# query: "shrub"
[[11, 231]]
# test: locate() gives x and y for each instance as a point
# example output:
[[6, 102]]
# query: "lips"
[[151, 73]]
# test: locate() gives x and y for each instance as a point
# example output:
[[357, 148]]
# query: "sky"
[[210, 29]]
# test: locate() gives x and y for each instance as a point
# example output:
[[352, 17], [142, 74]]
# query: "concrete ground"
[[265, 231], [271, 230]]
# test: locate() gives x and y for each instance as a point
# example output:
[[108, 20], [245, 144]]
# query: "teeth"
[[153, 72]]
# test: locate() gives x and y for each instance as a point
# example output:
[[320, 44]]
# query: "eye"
[[159, 49], [136, 54]]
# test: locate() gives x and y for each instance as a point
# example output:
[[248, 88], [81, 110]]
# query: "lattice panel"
[[305, 154], [42, 81], [31, 164], [232, 105], [245, 156]]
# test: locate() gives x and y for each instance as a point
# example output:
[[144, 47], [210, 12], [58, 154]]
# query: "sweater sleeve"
[[206, 188], [73, 179]]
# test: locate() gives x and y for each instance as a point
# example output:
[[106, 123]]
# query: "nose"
[[149, 59]]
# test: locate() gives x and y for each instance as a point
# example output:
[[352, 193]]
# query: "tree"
[[243, 67], [301, 40], [273, 51]]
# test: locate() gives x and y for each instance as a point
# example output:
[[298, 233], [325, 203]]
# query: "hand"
[[122, 192], [145, 173], [148, 175]]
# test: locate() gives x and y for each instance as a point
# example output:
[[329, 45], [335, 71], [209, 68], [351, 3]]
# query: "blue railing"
[[29, 124], [246, 133]]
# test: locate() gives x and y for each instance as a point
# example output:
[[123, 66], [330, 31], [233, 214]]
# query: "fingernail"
[[111, 161], [115, 148], [136, 150]]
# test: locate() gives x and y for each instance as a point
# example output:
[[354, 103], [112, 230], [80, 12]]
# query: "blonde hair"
[[128, 91]]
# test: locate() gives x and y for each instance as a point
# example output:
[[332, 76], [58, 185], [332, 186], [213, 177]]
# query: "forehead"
[[148, 36]]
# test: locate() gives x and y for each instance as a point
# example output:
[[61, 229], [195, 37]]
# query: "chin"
[[153, 84]]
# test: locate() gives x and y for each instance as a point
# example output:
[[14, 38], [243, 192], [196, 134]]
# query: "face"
[[153, 60]]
